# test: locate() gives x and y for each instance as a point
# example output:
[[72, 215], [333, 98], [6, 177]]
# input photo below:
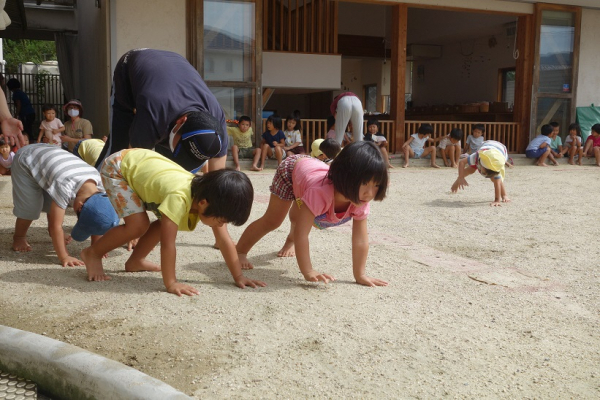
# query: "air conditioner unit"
[[422, 51]]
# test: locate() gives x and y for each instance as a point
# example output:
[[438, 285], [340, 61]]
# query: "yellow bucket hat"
[[493, 160]]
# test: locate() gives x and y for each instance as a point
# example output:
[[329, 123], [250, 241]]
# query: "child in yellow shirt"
[[242, 140]]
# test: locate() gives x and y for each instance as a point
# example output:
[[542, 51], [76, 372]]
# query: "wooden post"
[[524, 79], [398, 72]]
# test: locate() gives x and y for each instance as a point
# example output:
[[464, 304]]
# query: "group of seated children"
[[548, 145]]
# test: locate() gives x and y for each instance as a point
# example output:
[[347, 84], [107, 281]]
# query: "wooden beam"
[[266, 95], [524, 78], [398, 72]]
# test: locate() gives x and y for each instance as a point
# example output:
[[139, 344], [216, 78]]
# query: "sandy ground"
[[482, 303]]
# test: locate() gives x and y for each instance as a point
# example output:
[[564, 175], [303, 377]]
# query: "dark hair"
[[456, 133], [200, 120], [330, 147], [276, 121], [488, 173], [373, 122], [554, 124], [358, 163], [480, 127], [296, 117], [244, 118], [576, 127], [229, 194], [3, 143], [547, 129], [426, 129], [330, 122], [48, 107], [596, 128], [13, 84]]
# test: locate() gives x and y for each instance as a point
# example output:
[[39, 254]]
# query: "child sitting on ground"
[[539, 147], [293, 137], [592, 144], [273, 141], [325, 197], [47, 178], [137, 180], [475, 139], [556, 145], [573, 144], [489, 160], [51, 127], [242, 140], [377, 137], [89, 149], [414, 146], [6, 157], [450, 147]]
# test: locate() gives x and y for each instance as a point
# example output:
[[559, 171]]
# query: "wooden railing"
[[300, 26], [503, 132], [506, 133]]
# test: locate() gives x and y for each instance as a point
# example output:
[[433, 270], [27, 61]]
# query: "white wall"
[[466, 72], [588, 85], [295, 70], [155, 24]]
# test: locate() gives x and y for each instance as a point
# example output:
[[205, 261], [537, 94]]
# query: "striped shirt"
[[58, 172]]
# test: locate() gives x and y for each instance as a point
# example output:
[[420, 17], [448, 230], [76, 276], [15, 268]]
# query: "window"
[[370, 103], [506, 83]]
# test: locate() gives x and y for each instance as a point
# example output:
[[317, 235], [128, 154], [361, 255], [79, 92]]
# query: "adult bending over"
[[346, 107]]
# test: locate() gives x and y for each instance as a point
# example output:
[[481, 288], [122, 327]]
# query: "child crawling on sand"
[[324, 196], [137, 180], [490, 161], [47, 178]]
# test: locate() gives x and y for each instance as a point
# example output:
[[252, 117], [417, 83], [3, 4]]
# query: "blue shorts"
[[537, 153], [418, 152]]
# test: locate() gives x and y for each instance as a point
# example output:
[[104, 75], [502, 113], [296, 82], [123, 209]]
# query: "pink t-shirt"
[[316, 192], [48, 126]]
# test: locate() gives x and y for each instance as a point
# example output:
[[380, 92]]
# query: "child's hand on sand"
[[132, 243], [181, 288], [505, 199], [241, 282], [69, 261], [460, 183], [314, 276], [496, 204], [68, 239], [368, 281]]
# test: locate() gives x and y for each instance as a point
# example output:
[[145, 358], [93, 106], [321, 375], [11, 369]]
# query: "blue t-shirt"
[[270, 139], [26, 107], [164, 86], [537, 141]]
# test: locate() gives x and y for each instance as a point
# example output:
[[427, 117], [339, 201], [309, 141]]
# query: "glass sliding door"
[[555, 74]]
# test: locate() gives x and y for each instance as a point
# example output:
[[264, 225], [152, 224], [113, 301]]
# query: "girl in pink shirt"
[[325, 196]]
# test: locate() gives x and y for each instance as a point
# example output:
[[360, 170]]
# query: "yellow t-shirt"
[[89, 150], [163, 186], [241, 140]]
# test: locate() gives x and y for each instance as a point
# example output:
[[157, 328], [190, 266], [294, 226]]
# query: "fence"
[[41, 88]]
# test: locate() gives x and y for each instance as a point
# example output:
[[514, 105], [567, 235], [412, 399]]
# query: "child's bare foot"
[[571, 162], [141, 265], [405, 165], [93, 265], [455, 165], [255, 168], [555, 162], [244, 261], [447, 162], [390, 166], [237, 167], [216, 246], [20, 244], [541, 164], [434, 166], [579, 162], [288, 249]]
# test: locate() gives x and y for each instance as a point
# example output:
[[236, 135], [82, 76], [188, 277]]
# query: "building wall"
[[588, 85], [467, 72]]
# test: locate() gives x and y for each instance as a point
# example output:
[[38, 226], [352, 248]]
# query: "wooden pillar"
[[398, 72], [195, 34], [524, 78]]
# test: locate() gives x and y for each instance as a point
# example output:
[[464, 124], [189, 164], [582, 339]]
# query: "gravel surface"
[[483, 302]]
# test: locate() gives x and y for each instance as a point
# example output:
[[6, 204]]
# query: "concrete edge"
[[70, 372]]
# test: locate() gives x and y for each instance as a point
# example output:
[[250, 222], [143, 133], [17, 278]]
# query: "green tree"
[[21, 51]]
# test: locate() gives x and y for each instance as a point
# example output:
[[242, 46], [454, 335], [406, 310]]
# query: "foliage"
[[21, 51]]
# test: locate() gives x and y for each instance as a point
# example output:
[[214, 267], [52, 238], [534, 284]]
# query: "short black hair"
[[488, 173], [330, 147], [330, 122], [296, 117], [596, 128], [426, 129], [48, 107], [575, 127], [3, 142], [456, 133], [276, 121], [13, 83], [244, 118], [547, 130], [554, 124], [373, 122], [480, 127], [358, 163], [229, 194]]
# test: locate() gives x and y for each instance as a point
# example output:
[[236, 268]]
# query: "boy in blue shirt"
[[539, 147]]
